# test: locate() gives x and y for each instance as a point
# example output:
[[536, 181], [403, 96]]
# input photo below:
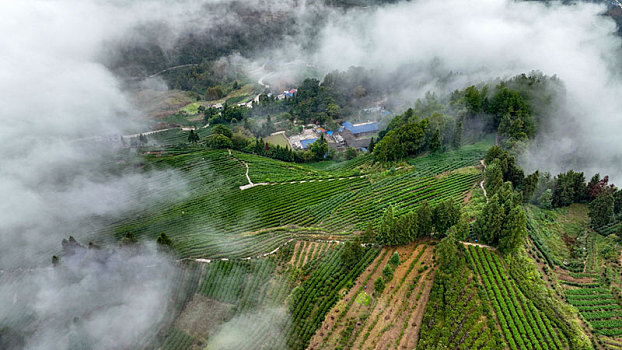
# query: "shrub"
[[395, 259], [379, 285], [218, 141], [387, 272]]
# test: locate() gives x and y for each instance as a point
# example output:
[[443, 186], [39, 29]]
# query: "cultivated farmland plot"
[[211, 208], [274, 248], [522, 324]]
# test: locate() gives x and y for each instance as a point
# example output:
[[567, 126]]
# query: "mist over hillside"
[[414, 47], [70, 71]]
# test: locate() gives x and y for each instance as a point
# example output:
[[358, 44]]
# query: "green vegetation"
[[256, 222], [363, 298], [457, 315], [522, 324], [317, 294]]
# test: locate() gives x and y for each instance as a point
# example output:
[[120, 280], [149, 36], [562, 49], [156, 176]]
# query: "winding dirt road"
[[481, 184]]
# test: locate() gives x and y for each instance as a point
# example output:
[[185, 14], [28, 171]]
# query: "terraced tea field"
[[522, 324], [210, 217], [267, 259]]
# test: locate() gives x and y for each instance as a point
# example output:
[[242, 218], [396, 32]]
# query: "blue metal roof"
[[358, 129], [307, 142]]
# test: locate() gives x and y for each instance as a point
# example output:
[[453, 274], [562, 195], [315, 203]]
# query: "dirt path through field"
[[248, 178], [481, 184], [251, 184], [307, 253], [479, 245], [170, 69], [293, 259]]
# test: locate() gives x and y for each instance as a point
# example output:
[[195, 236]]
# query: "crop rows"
[[237, 282], [613, 227], [442, 162], [262, 169], [318, 293], [177, 340], [404, 192], [355, 292], [398, 293], [253, 285], [184, 284], [467, 322], [169, 137], [306, 251], [522, 324], [534, 234], [598, 307], [205, 201], [192, 223]]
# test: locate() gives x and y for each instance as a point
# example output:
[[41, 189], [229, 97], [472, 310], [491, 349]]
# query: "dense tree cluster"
[[220, 137], [513, 108], [605, 200], [193, 137], [601, 209], [352, 252], [339, 94], [229, 114], [423, 222], [408, 134], [501, 167], [164, 241], [502, 222]]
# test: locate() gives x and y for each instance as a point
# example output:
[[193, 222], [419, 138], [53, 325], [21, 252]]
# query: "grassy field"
[[278, 139], [193, 108], [243, 94]]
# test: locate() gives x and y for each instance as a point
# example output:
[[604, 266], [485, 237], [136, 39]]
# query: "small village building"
[[361, 129], [358, 135]]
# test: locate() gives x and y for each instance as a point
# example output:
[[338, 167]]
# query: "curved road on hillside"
[[169, 69]]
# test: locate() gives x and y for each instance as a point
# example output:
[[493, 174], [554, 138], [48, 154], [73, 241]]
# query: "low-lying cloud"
[[479, 41], [55, 91]]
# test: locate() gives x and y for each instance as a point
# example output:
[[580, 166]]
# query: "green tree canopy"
[[601, 209]]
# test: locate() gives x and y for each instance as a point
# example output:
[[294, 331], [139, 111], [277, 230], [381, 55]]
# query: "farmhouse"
[[361, 129], [358, 135]]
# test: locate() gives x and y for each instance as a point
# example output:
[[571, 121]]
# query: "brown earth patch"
[[468, 197], [307, 253], [327, 336], [411, 333], [395, 306], [201, 316]]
